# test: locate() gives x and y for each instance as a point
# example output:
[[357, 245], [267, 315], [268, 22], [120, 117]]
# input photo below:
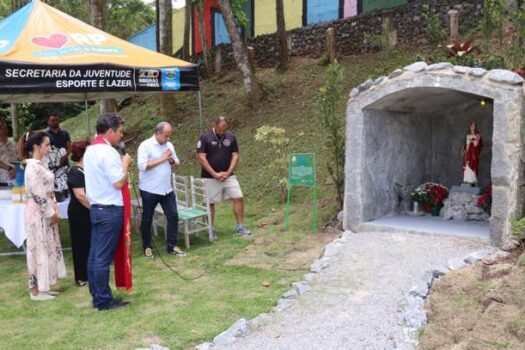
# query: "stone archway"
[[404, 129]]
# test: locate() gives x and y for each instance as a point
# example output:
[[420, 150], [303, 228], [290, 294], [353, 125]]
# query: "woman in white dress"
[[45, 262]]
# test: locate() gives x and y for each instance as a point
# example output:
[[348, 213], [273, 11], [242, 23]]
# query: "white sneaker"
[[243, 231], [41, 296]]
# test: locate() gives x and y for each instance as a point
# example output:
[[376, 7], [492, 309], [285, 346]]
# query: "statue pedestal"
[[461, 205]]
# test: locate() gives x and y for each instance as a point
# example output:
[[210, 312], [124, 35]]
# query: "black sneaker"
[[115, 304]]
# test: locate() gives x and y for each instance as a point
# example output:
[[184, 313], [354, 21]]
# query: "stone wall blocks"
[[477, 72], [366, 85], [395, 73], [379, 80], [505, 76], [416, 67], [354, 93], [440, 66]]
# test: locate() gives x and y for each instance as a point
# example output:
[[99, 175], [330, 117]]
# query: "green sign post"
[[301, 173]]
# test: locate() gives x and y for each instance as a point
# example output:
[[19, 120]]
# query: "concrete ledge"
[[428, 225]]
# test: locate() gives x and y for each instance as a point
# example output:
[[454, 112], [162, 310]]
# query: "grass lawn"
[[165, 309]]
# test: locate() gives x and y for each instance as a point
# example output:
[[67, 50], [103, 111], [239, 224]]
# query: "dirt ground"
[[285, 252], [480, 307]]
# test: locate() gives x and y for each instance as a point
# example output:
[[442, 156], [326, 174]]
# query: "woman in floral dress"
[[45, 262]]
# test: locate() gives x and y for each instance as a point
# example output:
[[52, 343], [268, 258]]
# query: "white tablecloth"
[[12, 220]]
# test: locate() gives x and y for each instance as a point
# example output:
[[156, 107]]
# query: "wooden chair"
[[197, 217], [181, 186]]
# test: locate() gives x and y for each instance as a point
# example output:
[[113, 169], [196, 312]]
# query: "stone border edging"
[[242, 328], [414, 315]]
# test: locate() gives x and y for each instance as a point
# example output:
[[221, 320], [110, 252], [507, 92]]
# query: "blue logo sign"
[[170, 79]]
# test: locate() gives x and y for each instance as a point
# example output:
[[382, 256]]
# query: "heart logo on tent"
[[55, 41]]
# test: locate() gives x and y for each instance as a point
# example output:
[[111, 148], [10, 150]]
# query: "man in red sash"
[[107, 190]]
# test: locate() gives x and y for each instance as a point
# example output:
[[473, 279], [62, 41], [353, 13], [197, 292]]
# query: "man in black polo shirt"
[[218, 156], [57, 159]]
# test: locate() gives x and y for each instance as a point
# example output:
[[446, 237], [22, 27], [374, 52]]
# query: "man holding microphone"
[[106, 172], [156, 161]]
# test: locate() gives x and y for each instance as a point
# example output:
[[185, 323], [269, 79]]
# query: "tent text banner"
[[24, 78]]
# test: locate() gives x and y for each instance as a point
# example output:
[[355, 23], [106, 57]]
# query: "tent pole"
[[87, 116], [200, 111]]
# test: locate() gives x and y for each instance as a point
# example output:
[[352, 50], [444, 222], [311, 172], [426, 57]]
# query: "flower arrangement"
[[430, 193], [485, 199]]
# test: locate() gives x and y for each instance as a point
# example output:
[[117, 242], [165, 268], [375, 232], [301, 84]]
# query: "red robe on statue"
[[472, 153], [122, 259]]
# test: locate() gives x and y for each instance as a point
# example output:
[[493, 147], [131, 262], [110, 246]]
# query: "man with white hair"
[[156, 161]]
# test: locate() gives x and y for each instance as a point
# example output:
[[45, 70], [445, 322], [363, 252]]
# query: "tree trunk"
[[97, 14], [17, 4], [187, 25], [240, 54], [281, 34], [15, 121], [202, 37], [167, 102]]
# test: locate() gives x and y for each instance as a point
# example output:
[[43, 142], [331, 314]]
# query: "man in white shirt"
[[106, 172], [156, 161]]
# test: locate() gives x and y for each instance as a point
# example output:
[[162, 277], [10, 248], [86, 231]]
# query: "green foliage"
[[493, 19], [518, 229], [128, 17], [124, 17], [5, 8], [330, 102], [275, 139], [516, 52], [374, 41], [238, 7], [435, 27]]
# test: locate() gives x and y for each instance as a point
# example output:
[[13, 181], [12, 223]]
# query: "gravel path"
[[358, 301]]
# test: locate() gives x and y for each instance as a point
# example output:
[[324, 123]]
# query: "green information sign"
[[302, 170], [301, 173]]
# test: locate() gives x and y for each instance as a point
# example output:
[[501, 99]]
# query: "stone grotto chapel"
[[409, 128]]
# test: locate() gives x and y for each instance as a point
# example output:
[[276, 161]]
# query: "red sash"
[[122, 259]]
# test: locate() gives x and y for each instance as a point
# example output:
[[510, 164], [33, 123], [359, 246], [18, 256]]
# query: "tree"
[[202, 36], [97, 13], [15, 117], [240, 54], [187, 29], [281, 34], [167, 104], [331, 102]]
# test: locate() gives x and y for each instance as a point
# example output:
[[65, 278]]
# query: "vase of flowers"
[[431, 196], [485, 199]]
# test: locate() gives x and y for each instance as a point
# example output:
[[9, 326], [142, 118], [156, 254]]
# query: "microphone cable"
[[139, 206]]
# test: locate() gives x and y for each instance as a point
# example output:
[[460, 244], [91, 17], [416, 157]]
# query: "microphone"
[[122, 147]]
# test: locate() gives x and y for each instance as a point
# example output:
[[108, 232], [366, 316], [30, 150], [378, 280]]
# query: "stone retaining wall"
[[350, 33]]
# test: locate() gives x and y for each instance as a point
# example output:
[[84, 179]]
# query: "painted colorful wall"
[[371, 5], [178, 29], [146, 38], [265, 21], [214, 26], [350, 8], [262, 19]]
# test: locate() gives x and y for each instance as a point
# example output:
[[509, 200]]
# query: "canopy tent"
[[49, 56]]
